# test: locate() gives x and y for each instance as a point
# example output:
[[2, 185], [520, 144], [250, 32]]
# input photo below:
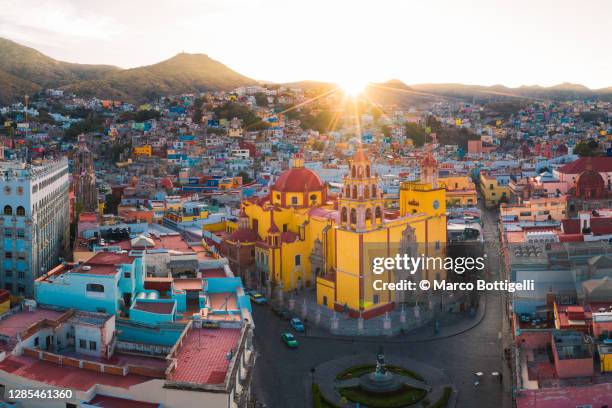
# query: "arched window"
[[367, 171], [353, 216], [353, 171], [366, 192], [378, 213], [313, 198], [20, 211], [354, 191], [348, 191], [343, 215], [368, 216], [373, 190], [8, 210], [95, 287]]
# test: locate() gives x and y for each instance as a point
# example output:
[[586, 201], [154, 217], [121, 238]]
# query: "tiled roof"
[[600, 164], [114, 402], [20, 321], [154, 307], [64, 376], [202, 358], [110, 258]]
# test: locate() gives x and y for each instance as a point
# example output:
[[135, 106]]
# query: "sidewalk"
[[453, 326]]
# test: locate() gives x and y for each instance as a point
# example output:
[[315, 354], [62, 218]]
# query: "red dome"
[[298, 180], [166, 182], [243, 235], [590, 184]]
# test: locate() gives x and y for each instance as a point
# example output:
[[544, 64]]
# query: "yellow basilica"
[[301, 236]]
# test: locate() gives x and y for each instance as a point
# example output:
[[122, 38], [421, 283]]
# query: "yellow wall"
[[419, 198], [325, 289], [144, 150], [540, 209], [297, 198], [5, 306], [606, 363], [492, 191], [460, 190]]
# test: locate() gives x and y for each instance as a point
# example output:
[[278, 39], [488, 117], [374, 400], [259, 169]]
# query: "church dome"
[[590, 184], [298, 180], [166, 182]]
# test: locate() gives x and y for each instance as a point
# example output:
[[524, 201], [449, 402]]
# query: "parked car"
[[297, 324], [289, 340], [282, 313], [258, 298]]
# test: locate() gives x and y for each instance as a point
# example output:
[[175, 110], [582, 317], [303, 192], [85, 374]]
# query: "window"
[[8, 255], [294, 201], [8, 273], [20, 233], [127, 275], [83, 343], [21, 275], [95, 287], [20, 211], [298, 260], [8, 210], [21, 256], [92, 345], [101, 309], [8, 232], [376, 299], [36, 342]]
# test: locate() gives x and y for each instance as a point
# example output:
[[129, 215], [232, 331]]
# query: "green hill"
[[182, 73], [24, 70]]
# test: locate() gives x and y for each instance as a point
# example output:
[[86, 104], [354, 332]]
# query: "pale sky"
[[509, 42]]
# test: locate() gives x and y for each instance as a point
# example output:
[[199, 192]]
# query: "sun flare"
[[353, 86]]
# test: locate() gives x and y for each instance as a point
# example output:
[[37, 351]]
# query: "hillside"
[[479, 93], [182, 73], [24, 70], [395, 92]]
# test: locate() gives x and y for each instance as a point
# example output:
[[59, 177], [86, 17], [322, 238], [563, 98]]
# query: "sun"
[[353, 86]]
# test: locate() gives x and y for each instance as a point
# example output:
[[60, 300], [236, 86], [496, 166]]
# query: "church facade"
[[301, 237]]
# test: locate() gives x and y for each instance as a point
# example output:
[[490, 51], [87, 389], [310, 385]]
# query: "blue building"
[[35, 221]]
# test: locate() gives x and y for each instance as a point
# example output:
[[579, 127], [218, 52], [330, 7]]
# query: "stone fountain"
[[381, 380]]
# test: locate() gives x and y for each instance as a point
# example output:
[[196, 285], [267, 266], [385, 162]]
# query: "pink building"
[[570, 172], [571, 353]]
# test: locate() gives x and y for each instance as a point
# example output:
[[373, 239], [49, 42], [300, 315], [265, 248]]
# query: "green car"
[[289, 340]]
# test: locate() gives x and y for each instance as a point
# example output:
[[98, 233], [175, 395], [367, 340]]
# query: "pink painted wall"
[[569, 397], [533, 340]]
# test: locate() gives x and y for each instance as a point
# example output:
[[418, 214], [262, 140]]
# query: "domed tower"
[[361, 204], [429, 168], [298, 187], [590, 184], [84, 177]]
